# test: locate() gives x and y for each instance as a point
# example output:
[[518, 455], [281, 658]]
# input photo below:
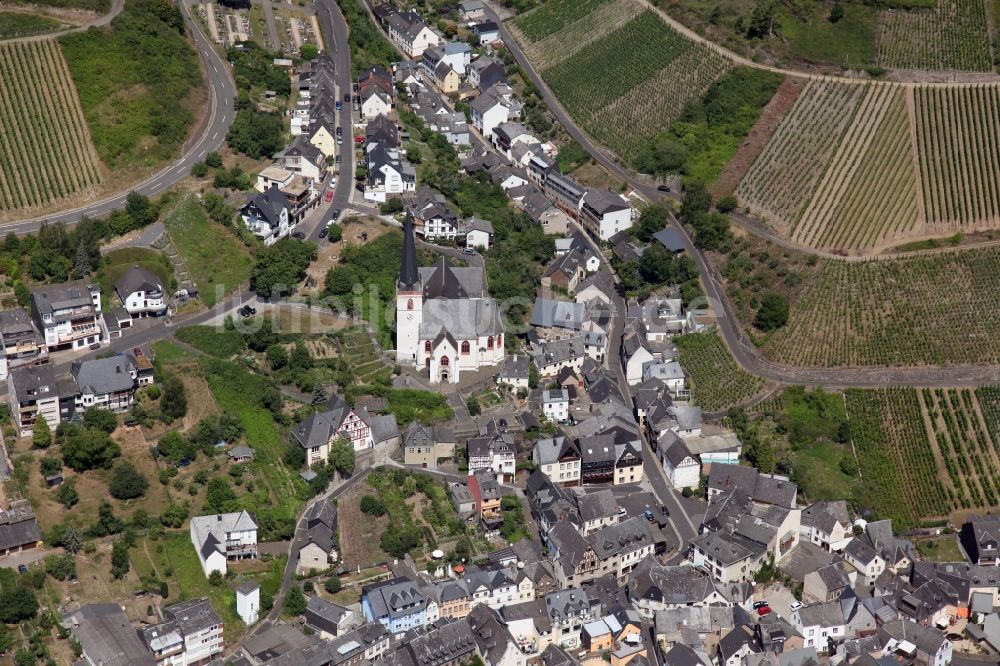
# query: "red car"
[[329, 196], [763, 610]]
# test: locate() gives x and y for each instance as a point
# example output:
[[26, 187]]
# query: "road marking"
[[214, 68]]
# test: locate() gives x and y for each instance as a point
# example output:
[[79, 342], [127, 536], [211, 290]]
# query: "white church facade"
[[446, 321]]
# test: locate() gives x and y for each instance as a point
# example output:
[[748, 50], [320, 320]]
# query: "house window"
[[427, 346], [444, 361], [489, 342], [500, 340], [465, 347], [409, 304]]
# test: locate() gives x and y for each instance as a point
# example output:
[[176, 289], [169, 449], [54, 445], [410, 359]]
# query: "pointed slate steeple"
[[409, 277]]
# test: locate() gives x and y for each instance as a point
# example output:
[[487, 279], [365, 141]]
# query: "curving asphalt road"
[[221, 112], [116, 8], [745, 352]]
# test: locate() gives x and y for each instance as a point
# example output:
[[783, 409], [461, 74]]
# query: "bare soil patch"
[[359, 532], [329, 253], [759, 136]]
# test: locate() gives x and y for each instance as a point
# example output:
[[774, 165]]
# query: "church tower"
[[409, 301]]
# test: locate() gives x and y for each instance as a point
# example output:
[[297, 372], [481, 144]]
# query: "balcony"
[[78, 332]]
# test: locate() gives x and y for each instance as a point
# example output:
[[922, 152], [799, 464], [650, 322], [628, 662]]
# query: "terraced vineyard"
[[553, 16], [862, 167], [868, 195], [716, 382], [559, 46], [46, 153], [932, 309], [900, 471], [958, 145], [783, 178], [622, 72], [954, 34], [965, 448]]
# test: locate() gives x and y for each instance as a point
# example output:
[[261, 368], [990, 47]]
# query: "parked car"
[[340, 131], [334, 215], [22, 569], [795, 605], [95, 346], [468, 250], [648, 515], [329, 196], [760, 604], [347, 97], [663, 188], [339, 160], [339, 105], [763, 610], [298, 234], [324, 231]]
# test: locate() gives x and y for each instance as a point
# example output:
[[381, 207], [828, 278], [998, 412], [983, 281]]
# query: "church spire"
[[408, 275]]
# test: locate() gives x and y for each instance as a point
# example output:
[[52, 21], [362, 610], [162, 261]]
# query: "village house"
[[408, 31], [318, 552], [222, 537], [318, 431], [604, 213], [827, 524], [681, 467], [492, 452], [558, 459], [268, 215], [141, 292], [398, 604], [20, 340], [68, 314]]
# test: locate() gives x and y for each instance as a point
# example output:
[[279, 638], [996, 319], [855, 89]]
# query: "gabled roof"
[[102, 376], [136, 279]]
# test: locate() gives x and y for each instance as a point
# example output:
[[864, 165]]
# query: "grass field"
[[46, 154], [277, 495], [135, 82], [953, 34], [214, 342], [716, 381], [17, 24], [114, 264], [622, 72], [216, 260]]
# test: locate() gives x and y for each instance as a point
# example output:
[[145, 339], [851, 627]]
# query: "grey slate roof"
[[107, 637], [136, 279], [193, 615], [104, 375]]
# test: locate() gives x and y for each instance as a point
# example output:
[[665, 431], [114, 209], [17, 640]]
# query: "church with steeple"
[[446, 322]]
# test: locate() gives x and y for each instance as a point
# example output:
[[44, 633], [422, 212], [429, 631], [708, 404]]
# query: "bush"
[[67, 494], [100, 419], [773, 312], [336, 233], [85, 448], [127, 482], [41, 434], [174, 401], [60, 567], [372, 505], [332, 585]]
